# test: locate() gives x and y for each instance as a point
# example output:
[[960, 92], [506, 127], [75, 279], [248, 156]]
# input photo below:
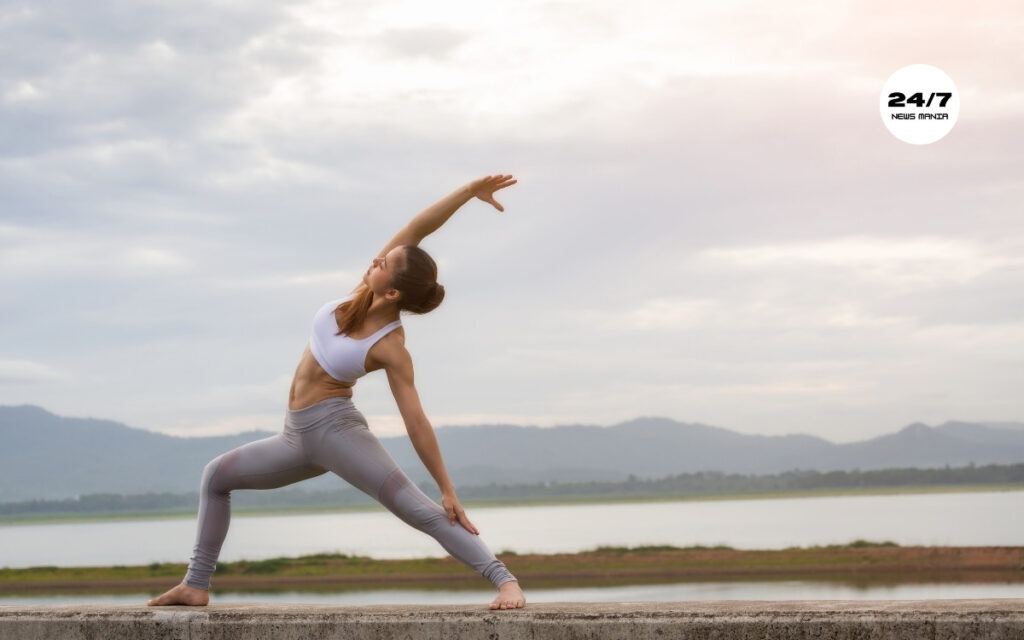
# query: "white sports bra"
[[342, 357]]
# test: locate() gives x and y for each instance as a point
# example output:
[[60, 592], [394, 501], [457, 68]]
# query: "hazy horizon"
[[993, 424]]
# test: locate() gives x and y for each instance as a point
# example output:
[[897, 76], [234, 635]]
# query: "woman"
[[324, 431]]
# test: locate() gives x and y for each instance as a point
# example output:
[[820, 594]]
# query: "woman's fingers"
[[500, 182], [485, 187], [458, 513], [497, 182], [469, 526]]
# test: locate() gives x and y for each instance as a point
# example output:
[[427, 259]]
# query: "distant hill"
[[46, 456]]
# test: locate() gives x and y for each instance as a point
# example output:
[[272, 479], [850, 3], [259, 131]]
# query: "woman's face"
[[381, 272]]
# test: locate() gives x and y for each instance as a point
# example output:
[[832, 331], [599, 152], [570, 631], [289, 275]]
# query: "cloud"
[[910, 263], [27, 252], [238, 422], [270, 282], [707, 200], [436, 42], [23, 372]]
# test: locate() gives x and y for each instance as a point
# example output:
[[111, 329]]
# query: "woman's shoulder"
[[389, 352], [392, 342]]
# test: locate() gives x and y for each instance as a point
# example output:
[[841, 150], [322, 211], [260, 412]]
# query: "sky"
[[712, 223]]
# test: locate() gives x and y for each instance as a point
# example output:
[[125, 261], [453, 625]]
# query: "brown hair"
[[350, 314], [415, 278]]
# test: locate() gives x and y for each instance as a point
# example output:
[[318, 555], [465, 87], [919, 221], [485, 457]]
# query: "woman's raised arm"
[[430, 219]]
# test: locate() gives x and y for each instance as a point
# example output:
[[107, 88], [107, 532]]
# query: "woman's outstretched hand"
[[485, 187], [456, 512]]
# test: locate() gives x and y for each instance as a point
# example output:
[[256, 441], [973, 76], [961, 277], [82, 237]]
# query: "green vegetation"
[[340, 564], [861, 562], [865, 544], [687, 486], [713, 483], [662, 547]]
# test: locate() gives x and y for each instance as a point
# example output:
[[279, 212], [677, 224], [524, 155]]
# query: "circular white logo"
[[919, 104]]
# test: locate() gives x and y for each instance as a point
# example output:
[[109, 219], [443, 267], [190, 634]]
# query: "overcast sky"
[[711, 224]]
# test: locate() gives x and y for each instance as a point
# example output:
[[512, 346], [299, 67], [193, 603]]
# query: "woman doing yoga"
[[323, 430]]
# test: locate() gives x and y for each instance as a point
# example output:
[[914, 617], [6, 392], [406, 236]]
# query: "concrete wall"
[[726, 620]]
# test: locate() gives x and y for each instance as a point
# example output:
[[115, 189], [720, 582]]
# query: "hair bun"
[[417, 281], [436, 295]]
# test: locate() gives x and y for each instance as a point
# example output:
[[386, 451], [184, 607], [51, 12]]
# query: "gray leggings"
[[331, 435]]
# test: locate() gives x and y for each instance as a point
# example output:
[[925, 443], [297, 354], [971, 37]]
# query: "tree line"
[[714, 482], [702, 483]]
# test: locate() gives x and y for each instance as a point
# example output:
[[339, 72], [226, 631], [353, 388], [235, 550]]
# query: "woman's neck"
[[382, 309]]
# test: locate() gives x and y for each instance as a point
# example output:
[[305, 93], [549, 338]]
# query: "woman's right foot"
[[510, 596], [182, 594]]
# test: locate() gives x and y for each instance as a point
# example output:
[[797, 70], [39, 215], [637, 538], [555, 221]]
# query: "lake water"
[[954, 519]]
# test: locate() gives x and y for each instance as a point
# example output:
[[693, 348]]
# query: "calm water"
[[960, 519]]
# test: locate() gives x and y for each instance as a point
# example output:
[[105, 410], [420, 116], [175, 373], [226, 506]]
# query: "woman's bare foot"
[[182, 594], [510, 596]]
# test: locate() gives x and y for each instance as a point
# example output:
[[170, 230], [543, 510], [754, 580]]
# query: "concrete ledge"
[[725, 620]]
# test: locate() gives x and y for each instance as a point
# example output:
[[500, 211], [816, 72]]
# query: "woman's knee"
[[425, 512], [408, 502], [217, 474]]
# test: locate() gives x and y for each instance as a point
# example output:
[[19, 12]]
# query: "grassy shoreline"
[[169, 514], [859, 563]]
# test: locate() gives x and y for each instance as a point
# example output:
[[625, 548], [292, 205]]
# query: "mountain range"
[[45, 456]]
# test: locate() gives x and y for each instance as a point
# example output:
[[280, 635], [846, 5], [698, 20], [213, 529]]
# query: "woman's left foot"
[[510, 596], [182, 594]]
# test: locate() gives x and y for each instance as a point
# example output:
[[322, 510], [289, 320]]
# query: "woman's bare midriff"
[[312, 384]]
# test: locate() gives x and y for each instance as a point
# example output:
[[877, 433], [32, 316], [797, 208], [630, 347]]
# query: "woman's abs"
[[312, 384]]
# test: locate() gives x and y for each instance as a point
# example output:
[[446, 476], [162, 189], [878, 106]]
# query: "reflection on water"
[[687, 591]]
